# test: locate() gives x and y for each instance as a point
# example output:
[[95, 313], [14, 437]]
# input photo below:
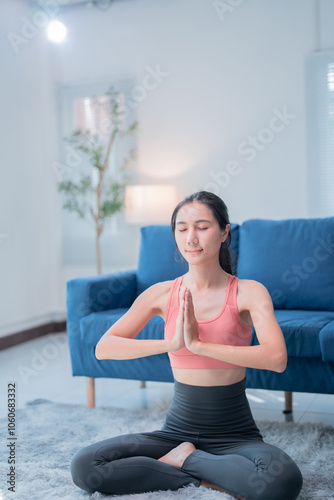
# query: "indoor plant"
[[95, 195]]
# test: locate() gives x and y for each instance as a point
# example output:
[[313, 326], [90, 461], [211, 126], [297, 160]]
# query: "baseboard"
[[32, 333]]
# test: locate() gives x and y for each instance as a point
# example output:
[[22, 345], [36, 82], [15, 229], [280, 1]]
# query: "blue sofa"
[[293, 258]]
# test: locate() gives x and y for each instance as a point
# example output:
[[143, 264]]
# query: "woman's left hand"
[[191, 334]]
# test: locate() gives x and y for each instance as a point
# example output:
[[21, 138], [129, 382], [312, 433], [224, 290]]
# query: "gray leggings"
[[230, 452]]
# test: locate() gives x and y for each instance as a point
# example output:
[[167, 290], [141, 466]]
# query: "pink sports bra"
[[226, 328]]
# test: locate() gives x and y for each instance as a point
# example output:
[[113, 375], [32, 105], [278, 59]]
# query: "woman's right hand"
[[178, 337]]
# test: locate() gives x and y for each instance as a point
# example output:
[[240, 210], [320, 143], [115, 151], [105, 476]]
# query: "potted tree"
[[96, 195]]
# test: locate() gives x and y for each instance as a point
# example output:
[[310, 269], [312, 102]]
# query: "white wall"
[[30, 260], [222, 81], [225, 78]]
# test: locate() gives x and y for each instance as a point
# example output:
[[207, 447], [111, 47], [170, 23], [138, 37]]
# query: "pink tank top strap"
[[173, 297], [232, 291]]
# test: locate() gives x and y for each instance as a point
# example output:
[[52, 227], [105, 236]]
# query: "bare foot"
[[178, 455], [205, 484]]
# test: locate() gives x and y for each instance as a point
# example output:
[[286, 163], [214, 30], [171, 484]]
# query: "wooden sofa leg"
[[288, 402], [90, 385], [143, 383]]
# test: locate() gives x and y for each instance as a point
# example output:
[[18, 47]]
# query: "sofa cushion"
[[302, 331], [93, 326], [302, 375], [159, 259], [293, 258], [327, 342]]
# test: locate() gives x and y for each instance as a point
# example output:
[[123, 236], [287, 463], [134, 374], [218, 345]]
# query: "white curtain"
[[320, 132]]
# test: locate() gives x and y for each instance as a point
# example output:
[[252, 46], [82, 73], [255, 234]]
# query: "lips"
[[194, 251]]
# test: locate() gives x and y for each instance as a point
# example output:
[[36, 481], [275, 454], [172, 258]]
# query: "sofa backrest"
[[159, 259], [293, 258]]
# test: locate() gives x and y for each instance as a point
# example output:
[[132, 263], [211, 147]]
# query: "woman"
[[209, 437]]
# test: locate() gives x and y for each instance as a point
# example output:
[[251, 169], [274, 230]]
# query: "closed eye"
[[199, 228]]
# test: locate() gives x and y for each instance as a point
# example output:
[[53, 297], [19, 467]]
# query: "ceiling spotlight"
[[56, 31]]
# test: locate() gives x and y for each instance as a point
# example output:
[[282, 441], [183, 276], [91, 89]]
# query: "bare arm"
[[119, 341], [270, 354]]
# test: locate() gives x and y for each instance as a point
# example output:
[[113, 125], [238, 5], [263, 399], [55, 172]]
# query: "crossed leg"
[[251, 470], [139, 463], [129, 464], [177, 457]]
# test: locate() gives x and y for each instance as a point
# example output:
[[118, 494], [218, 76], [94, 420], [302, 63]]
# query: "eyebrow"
[[196, 221]]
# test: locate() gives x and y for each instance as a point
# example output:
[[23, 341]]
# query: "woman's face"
[[197, 233]]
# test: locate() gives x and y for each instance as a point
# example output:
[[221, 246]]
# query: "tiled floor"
[[41, 368]]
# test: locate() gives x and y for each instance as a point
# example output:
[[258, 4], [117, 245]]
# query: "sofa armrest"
[[98, 293]]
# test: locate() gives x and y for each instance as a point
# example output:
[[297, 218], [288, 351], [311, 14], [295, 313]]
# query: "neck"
[[204, 277]]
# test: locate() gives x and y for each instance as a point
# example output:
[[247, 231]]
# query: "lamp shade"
[[149, 204]]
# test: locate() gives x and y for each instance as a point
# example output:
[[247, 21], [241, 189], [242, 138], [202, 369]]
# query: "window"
[[86, 107]]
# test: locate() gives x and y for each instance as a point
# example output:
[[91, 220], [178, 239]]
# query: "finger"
[[182, 307], [189, 301], [187, 307], [182, 293], [181, 303]]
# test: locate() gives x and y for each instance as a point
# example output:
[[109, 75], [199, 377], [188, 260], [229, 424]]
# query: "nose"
[[191, 237]]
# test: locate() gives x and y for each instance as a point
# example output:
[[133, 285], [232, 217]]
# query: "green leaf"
[[97, 157], [79, 195]]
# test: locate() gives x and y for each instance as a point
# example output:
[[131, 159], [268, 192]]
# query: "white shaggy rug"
[[48, 435]]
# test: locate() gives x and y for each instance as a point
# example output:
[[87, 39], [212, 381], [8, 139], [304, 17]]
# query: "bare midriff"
[[208, 377]]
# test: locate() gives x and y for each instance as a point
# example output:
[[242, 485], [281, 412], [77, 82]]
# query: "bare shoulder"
[[251, 290]]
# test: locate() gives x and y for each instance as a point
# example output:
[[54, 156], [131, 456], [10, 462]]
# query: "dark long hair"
[[220, 212]]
